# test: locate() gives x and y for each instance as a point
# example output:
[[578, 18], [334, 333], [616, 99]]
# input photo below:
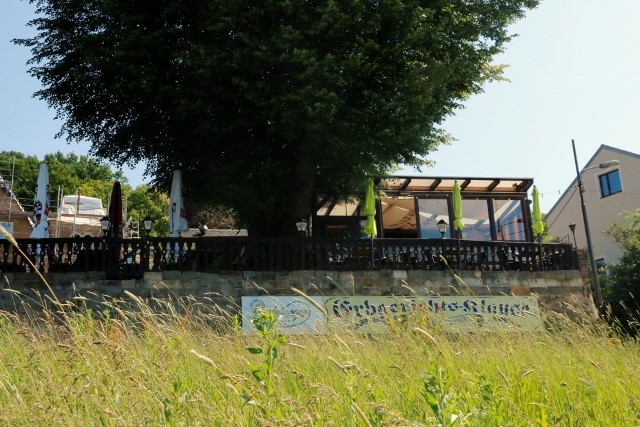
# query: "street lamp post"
[[148, 223], [594, 268], [301, 226], [105, 225], [572, 227]]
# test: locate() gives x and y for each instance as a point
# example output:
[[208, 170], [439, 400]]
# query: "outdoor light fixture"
[[148, 223], [442, 227], [594, 267], [607, 164], [105, 224], [301, 225], [572, 227]]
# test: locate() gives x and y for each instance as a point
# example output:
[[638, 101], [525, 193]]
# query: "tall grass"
[[127, 362], [179, 362]]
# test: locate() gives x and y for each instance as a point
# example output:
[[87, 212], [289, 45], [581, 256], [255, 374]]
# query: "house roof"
[[574, 182]]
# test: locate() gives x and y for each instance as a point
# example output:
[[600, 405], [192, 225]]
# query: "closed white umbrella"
[[41, 205], [177, 215]]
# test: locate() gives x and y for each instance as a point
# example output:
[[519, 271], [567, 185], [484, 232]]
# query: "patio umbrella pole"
[[371, 243], [540, 252]]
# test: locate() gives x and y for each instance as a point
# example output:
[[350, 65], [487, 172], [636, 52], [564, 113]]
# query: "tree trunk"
[[279, 219]]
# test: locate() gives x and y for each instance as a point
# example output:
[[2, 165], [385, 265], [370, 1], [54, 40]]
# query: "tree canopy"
[[262, 103]]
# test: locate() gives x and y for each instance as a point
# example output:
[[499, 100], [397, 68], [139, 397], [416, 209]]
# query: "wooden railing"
[[130, 258]]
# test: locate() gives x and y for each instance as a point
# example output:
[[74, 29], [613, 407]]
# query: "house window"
[[610, 183]]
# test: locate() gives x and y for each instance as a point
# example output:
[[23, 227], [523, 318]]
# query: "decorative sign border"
[[376, 314], [296, 314]]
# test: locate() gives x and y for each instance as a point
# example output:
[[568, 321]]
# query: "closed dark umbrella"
[[115, 210]]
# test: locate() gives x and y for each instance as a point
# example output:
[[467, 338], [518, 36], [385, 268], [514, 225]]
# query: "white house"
[[608, 192]]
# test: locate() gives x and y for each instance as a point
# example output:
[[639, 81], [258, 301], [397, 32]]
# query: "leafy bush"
[[621, 284]]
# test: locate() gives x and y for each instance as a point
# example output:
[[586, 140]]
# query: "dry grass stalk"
[[361, 414], [204, 358], [322, 309]]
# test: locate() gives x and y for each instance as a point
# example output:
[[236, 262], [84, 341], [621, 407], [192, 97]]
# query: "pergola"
[[411, 206]]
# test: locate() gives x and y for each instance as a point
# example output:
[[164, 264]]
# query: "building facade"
[[608, 193]]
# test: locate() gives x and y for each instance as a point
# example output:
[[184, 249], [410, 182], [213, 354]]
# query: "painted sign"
[[295, 314], [376, 314], [452, 314], [7, 226]]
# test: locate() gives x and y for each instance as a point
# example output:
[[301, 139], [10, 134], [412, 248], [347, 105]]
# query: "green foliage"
[[436, 394], [621, 284], [144, 201], [262, 103], [266, 323]]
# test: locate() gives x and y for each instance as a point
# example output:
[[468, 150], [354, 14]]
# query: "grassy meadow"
[[126, 364]]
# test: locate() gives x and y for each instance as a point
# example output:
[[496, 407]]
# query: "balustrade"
[[130, 258]]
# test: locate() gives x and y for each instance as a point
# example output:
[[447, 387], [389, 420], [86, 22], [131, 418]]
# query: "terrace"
[[497, 237]]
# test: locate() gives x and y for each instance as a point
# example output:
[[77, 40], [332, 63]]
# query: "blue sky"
[[574, 73]]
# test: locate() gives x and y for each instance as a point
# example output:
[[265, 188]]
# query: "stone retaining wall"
[[555, 289]]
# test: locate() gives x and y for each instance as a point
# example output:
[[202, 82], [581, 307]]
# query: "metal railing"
[[130, 258]]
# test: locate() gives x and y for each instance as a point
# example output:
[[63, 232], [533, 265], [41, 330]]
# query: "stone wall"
[[555, 289]]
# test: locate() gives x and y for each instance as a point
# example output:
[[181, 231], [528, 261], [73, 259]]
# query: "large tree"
[[261, 103]]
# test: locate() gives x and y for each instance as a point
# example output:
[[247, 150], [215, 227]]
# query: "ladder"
[[7, 170]]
